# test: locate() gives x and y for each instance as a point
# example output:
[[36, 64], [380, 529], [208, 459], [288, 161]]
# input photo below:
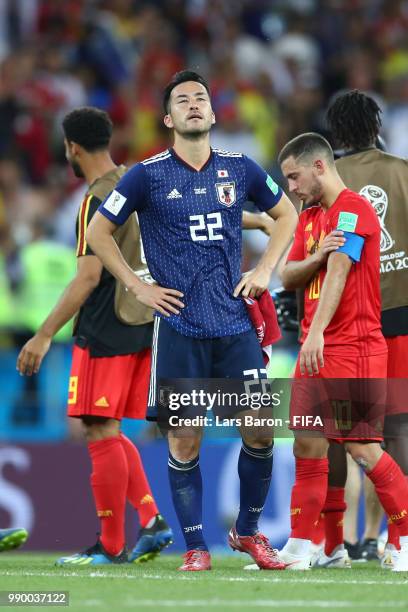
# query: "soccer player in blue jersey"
[[189, 202]]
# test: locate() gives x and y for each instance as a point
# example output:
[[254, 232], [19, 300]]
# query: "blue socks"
[[255, 471], [187, 492]]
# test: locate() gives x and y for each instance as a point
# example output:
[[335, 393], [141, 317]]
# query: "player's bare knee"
[[184, 449], [100, 428], [301, 447], [308, 448], [186, 452], [258, 440], [359, 457], [366, 455]]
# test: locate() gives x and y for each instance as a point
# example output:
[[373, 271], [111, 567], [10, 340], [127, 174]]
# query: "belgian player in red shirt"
[[335, 259], [354, 120]]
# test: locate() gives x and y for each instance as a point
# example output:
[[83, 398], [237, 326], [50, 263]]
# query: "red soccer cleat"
[[196, 561], [258, 547]]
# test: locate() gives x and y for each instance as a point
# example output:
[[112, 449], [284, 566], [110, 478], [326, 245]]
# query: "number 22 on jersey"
[[205, 227]]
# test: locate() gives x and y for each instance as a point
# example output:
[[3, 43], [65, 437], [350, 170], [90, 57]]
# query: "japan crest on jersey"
[[226, 193]]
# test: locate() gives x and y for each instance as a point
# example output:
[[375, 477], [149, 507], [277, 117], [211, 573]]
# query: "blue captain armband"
[[352, 247]]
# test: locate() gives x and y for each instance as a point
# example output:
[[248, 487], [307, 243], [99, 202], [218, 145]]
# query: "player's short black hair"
[[182, 77], [306, 146], [354, 120], [89, 127]]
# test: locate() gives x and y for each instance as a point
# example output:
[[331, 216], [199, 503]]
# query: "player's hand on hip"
[[32, 354], [311, 354], [331, 242], [166, 301], [253, 283]]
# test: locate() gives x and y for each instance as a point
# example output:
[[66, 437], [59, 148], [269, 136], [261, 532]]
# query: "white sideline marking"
[[250, 578], [258, 603]]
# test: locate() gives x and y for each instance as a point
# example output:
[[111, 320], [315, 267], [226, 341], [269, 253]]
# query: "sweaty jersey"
[[191, 226], [97, 326], [383, 179], [355, 328]]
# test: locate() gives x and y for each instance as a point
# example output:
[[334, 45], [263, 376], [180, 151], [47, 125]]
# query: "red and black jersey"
[[97, 325]]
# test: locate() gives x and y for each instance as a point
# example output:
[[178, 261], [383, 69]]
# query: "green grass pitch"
[[158, 586]]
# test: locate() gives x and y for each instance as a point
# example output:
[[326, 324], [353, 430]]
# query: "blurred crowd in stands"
[[273, 65]]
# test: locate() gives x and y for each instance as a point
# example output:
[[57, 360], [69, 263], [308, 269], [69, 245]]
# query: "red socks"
[[393, 532], [117, 474], [308, 496], [319, 530], [138, 490], [109, 480], [393, 535], [392, 489], [333, 511]]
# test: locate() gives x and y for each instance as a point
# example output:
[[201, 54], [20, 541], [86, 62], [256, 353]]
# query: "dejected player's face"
[[71, 160], [190, 113], [303, 181]]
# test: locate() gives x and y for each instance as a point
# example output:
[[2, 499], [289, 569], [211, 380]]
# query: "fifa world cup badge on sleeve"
[[115, 202], [347, 222], [272, 185]]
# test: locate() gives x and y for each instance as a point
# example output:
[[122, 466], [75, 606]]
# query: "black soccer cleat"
[[353, 550], [151, 541], [369, 550]]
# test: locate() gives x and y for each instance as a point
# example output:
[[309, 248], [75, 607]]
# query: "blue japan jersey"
[[191, 227]]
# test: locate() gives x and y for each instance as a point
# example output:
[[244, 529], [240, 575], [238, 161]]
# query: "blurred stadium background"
[[273, 66]]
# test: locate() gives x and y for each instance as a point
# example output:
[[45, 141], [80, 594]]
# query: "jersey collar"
[[180, 160], [357, 151]]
